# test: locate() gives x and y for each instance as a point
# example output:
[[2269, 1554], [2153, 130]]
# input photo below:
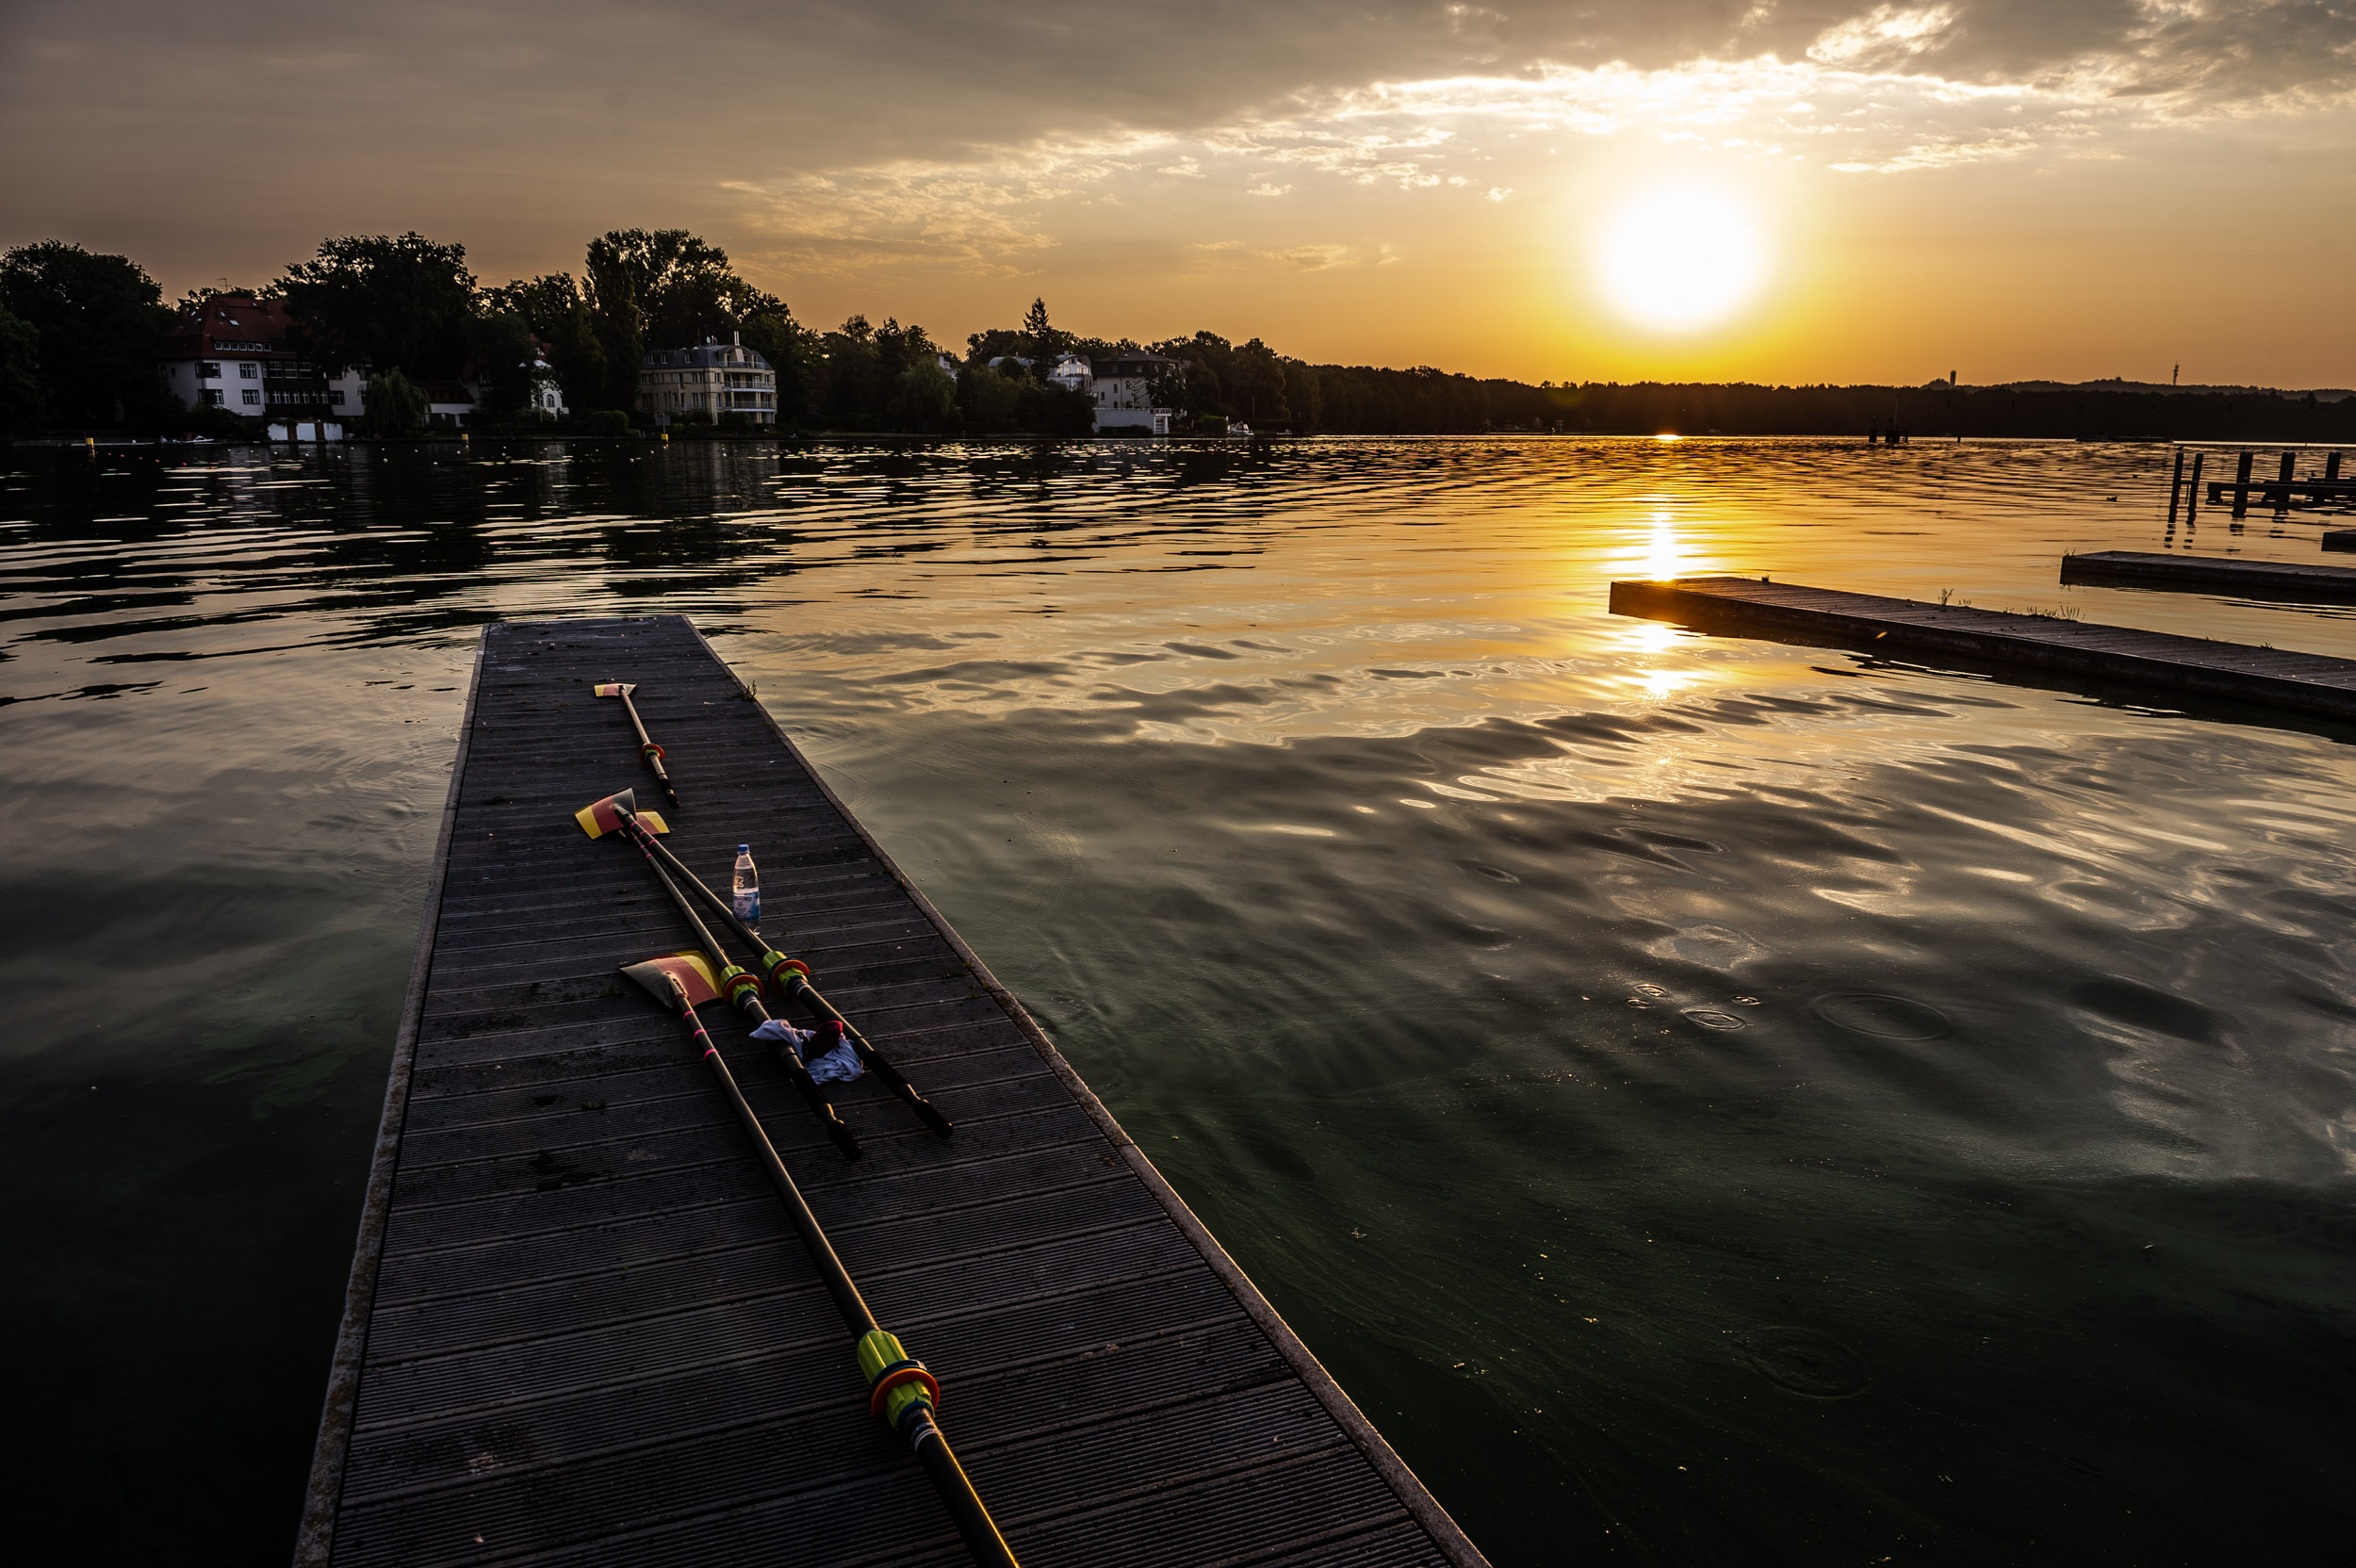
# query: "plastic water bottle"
[[747, 887]]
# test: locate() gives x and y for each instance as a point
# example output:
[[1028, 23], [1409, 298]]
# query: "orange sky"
[[2005, 190]]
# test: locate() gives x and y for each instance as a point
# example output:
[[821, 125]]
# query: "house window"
[[249, 372], [251, 395], [336, 396], [210, 368], [212, 397]]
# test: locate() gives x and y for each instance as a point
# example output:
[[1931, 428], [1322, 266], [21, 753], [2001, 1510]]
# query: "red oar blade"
[[614, 687], [689, 968], [600, 818]]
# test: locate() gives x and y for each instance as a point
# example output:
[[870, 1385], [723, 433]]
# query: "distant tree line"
[[79, 331]]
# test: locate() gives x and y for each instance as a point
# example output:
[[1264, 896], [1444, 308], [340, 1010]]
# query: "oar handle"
[[648, 749], [958, 1495], [748, 1002]]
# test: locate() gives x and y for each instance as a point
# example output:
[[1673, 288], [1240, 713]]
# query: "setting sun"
[[1675, 260]]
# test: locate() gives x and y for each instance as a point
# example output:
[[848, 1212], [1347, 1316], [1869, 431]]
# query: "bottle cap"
[[743, 849]]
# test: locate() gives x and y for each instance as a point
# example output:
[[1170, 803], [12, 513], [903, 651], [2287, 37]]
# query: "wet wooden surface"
[[2211, 574], [582, 1331], [2158, 661]]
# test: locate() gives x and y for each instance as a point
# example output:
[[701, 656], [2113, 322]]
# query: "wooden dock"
[[2204, 574], [1753, 607], [580, 1329]]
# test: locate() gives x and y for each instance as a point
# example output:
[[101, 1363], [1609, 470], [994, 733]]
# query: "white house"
[[1122, 387], [713, 377], [232, 353]]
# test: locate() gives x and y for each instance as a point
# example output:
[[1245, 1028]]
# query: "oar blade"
[[613, 688], [601, 817], [691, 969]]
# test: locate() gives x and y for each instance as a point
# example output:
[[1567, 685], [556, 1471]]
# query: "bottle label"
[[748, 907]]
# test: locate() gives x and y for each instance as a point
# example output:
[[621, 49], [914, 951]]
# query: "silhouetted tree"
[[559, 315], [1042, 341], [620, 322], [95, 321], [1255, 381], [384, 301], [795, 352], [395, 405], [20, 380]]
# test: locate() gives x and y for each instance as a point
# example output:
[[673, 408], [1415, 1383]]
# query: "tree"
[[388, 303], [1304, 393], [924, 397], [20, 374], [395, 405], [95, 321], [558, 313], [620, 321], [987, 397], [193, 300], [683, 286], [853, 386], [1256, 382], [794, 352], [502, 352], [1042, 342]]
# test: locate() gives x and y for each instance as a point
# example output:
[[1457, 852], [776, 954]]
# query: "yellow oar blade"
[[689, 968], [614, 689], [601, 818]]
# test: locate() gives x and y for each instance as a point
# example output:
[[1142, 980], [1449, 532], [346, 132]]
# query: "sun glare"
[[1677, 259]]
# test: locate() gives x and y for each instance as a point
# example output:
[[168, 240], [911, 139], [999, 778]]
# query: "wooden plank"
[[2207, 573], [2301, 682], [581, 1330]]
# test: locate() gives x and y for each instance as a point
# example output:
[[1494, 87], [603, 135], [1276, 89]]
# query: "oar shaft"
[[875, 1059], [831, 1273], [748, 1000], [915, 1420]]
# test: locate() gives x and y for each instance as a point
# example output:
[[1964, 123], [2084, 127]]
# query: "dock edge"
[[315, 1539]]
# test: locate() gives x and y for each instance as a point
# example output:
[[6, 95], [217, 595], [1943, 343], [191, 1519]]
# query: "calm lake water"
[[1709, 1100]]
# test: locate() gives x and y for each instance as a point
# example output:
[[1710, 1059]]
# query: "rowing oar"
[[899, 1389], [646, 748], [790, 975], [743, 991]]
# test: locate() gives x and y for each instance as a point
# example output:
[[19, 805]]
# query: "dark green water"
[[1709, 1100]]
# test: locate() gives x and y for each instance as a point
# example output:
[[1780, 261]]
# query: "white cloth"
[[839, 1066]]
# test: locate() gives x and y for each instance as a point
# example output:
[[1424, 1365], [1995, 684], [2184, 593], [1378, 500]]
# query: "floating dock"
[[2206, 574], [579, 1329], [1753, 607]]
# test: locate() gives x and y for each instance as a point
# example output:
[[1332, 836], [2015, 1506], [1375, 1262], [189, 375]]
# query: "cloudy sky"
[[1782, 191]]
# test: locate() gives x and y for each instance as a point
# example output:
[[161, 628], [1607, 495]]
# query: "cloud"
[[936, 133]]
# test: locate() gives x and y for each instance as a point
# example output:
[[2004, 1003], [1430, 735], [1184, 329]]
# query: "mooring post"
[[2332, 466], [2175, 486], [2192, 496], [2241, 483]]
